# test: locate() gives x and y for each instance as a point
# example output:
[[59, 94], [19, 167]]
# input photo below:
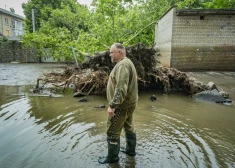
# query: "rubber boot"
[[130, 144], [113, 151]]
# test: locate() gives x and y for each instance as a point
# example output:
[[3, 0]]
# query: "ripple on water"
[[171, 140], [44, 132], [14, 111]]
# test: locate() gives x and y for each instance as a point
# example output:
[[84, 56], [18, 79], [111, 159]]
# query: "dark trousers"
[[122, 118]]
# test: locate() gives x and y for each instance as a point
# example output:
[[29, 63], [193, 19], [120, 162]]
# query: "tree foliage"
[[60, 31], [62, 24], [43, 10], [207, 4], [12, 10]]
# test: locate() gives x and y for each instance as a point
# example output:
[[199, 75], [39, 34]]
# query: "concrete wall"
[[203, 43], [163, 37], [13, 52]]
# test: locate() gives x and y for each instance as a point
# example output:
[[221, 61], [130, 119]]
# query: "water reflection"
[[174, 131]]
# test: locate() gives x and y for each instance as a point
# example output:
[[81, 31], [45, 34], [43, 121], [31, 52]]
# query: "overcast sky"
[[16, 4]]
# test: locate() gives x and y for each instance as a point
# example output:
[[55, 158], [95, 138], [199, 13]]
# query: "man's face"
[[114, 54]]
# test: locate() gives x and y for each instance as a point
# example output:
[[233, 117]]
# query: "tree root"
[[91, 77]]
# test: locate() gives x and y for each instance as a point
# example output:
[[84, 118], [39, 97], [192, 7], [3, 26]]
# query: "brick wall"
[[196, 42], [203, 43], [13, 52]]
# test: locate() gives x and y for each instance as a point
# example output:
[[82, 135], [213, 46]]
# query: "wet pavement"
[[24, 74]]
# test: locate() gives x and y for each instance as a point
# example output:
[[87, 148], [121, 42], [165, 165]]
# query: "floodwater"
[[173, 131]]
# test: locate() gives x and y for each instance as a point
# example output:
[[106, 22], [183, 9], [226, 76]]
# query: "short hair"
[[120, 46]]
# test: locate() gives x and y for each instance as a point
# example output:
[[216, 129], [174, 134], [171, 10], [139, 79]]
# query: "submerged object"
[[79, 94], [46, 95], [83, 100], [212, 96], [153, 98], [100, 106]]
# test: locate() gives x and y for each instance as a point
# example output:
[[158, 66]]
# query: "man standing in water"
[[122, 95]]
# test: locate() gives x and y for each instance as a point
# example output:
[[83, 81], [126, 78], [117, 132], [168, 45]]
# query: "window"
[[18, 25], [6, 21], [13, 24]]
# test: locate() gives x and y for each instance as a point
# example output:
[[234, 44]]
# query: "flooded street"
[[173, 131]]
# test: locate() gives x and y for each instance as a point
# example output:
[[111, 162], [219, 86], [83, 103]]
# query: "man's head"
[[117, 52]]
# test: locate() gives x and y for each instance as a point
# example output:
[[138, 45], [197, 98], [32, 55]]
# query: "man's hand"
[[111, 112]]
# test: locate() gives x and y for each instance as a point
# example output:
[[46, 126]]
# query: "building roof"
[[11, 13], [203, 12], [200, 12]]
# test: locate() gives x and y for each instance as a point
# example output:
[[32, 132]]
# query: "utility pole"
[[75, 57], [33, 20]]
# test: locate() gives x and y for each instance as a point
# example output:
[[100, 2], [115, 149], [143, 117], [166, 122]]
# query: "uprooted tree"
[[91, 76]]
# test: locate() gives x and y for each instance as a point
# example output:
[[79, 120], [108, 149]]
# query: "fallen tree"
[[91, 76]]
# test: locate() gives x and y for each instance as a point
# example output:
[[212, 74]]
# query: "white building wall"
[[163, 37]]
